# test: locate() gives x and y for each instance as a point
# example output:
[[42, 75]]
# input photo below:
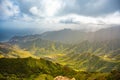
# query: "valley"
[[40, 56]]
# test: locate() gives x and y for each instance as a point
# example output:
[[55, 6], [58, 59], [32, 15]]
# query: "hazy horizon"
[[25, 17]]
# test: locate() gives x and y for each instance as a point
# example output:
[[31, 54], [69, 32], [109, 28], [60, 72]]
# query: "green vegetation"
[[32, 68], [85, 56], [35, 69], [88, 62], [33, 58], [9, 51]]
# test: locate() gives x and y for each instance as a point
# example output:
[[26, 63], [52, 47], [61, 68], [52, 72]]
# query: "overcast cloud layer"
[[42, 12], [59, 14]]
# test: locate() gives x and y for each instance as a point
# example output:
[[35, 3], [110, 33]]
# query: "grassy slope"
[[88, 62], [25, 67], [79, 61], [40, 69]]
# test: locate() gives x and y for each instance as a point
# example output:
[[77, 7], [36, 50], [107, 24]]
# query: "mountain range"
[[79, 50]]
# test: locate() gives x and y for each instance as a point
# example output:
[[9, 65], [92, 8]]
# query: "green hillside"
[[85, 56], [31, 68], [41, 69], [89, 62], [94, 57], [13, 51]]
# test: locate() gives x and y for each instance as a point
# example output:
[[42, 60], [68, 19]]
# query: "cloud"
[[59, 14], [109, 19], [113, 18], [69, 21], [90, 8], [96, 4], [47, 8], [35, 11], [51, 7], [25, 18], [8, 9]]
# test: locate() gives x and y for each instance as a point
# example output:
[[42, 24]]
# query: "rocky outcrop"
[[63, 78]]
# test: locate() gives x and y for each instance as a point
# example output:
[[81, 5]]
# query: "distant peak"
[[67, 29]]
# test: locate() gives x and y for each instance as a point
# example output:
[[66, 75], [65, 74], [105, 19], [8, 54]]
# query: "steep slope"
[[86, 56], [88, 62], [13, 51], [106, 34], [102, 49], [97, 48], [30, 68], [38, 46], [77, 36], [65, 36], [41, 69], [30, 41], [74, 36]]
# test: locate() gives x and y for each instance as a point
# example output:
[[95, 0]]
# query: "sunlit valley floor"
[[67, 54]]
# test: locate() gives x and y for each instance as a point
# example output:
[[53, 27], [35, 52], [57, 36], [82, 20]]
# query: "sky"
[[26, 16]]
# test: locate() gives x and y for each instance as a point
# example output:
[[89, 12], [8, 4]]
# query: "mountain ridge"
[[103, 50], [76, 36]]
